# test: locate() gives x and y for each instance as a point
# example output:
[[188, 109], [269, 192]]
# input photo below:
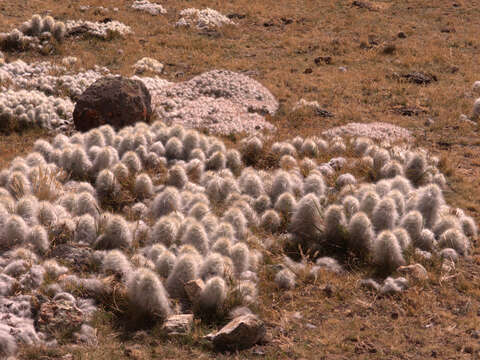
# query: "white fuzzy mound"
[[221, 101], [376, 130], [97, 29], [40, 76], [34, 109], [202, 19], [147, 6], [148, 64]]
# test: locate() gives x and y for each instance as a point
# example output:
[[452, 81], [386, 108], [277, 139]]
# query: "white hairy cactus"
[[86, 230], [350, 206], [285, 279], [222, 246], [177, 177], [251, 184], [38, 237], [216, 161], [314, 184], [196, 236], [117, 234], [455, 239], [369, 201], [361, 234], [281, 184], [286, 204], [106, 185], [174, 149], [213, 265], [213, 295], [147, 294], [143, 187], [384, 215], [415, 168], [165, 263], [167, 201], [271, 221], [185, 270], [306, 220], [429, 202], [235, 217], [131, 160], [387, 252], [240, 256], [413, 223], [402, 184], [115, 262], [15, 231]]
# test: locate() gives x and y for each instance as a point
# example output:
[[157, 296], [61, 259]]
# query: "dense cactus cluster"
[[147, 6], [202, 19], [33, 34], [166, 230]]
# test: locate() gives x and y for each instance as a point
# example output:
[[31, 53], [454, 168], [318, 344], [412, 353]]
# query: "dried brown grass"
[[277, 43]]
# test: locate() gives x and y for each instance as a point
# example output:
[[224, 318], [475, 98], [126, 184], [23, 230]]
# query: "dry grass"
[[277, 43]]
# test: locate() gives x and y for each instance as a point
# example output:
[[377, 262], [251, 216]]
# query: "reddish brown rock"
[[116, 101]]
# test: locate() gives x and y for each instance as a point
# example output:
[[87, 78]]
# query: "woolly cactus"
[[131, 160], [143, 187], [86, 231], [335, 224], [15, 231], [281, 184], [314, 184], [415, 168], [165, 263], [429, 203], [240, 257], [285, 204], [285, 279], [197, 237], [177, 177], [38, 237], [174, 149], [116, 262], [251, 150], [213, 265], [185, 270], [387, 252], [271, 221], [167, 201], [413, 223], [251, 184], [213, 295], [306, 220], [351, 206], [361, 235], [147, 294], [106, 185], [369, 201], [384, 215], [455, 239], [117, 234], [222, 246]]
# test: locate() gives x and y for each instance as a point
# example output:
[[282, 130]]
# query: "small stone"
[[240, 333], [401, 35], [342, 69], [429, 122], [193, 289], [179, 324], [308, 71], [416, 271]]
